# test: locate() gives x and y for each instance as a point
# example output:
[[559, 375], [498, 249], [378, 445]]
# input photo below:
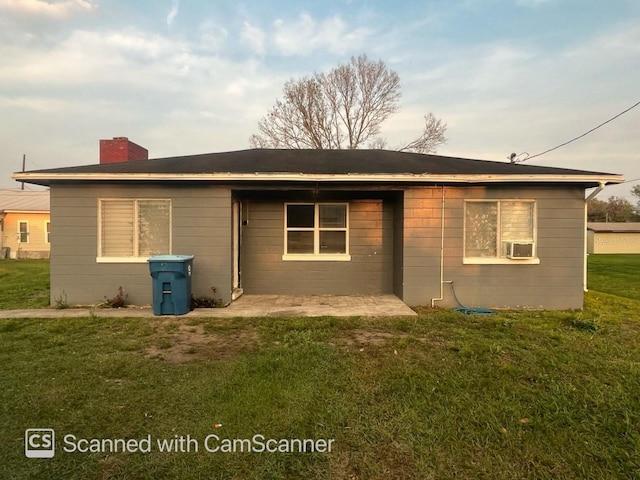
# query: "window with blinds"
[[516, 222], [131, 228], [490, 226]]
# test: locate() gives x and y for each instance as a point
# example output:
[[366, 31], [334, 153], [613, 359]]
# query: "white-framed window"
[[500, 231], [131, 229], [316, 231], [23, 231], [47, 231]]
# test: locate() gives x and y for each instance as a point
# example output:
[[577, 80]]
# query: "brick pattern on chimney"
[[121, 149]]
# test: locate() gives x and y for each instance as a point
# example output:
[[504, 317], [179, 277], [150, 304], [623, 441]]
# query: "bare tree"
[[303, 119], [344, 108], [431, 138]]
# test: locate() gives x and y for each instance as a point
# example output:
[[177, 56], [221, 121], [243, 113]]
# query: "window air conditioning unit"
[[519, 250]]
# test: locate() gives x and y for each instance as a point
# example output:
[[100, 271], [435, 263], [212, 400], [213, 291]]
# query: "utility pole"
[[24, 159]]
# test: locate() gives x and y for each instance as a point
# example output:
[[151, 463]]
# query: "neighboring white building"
[[612, 237]]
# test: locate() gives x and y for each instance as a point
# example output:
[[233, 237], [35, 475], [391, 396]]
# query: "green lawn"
[[516, 395], [615, 274], [25, 284]]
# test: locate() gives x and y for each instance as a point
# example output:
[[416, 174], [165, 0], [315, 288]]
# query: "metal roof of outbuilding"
[[614, 227], [24, 201]]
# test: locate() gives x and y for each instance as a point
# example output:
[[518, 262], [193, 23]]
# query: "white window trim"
[[122, 259], [317, 256], [534, 260], [499, 261], [105, 259], [47, 235], [28, 232]]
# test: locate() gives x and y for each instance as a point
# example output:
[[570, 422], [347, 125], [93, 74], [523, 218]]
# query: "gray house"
[[324, 222]]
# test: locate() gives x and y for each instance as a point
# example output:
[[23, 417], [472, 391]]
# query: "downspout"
[[586, 203], [442, 282]]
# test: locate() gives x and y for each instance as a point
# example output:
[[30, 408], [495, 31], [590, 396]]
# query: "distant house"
[[25, 224], [324, 222], [612, 237]]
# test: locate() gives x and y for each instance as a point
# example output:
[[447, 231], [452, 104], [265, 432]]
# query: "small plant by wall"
[[118, 301], [206, 301], [61, 302]]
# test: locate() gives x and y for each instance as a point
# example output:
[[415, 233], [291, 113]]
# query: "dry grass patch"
[[177, 341]]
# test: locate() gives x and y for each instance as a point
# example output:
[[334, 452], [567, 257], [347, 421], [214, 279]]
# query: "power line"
[[629, 181], [528, 157]]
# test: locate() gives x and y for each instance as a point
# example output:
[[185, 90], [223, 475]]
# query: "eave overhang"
[[18, 211], [43, 178]]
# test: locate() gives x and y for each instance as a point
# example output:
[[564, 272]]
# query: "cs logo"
[[39, 443]]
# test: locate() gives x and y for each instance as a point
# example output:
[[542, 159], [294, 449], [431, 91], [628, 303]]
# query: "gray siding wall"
[[421, 252], [370, 270], [394, 245], [201, 226], [556, 283]]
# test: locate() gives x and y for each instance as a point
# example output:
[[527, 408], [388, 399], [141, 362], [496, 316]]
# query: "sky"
[[183, 77]]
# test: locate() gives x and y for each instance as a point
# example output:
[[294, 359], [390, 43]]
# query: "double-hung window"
[[500, 231], [316, 231], [131, 230], [23, 231]]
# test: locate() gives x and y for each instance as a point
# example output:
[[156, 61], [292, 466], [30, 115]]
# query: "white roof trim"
[[17, 210], [303, 177]]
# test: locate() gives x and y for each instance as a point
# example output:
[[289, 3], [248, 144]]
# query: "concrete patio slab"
[[319, 305], [251, 306]]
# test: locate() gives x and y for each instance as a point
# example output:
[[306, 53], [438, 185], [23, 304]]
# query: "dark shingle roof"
[[322, 162], [333, 166]]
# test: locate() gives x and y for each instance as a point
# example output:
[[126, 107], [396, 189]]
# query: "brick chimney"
[[121, 149]]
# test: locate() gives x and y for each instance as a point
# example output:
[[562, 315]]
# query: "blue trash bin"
[[171, 276]]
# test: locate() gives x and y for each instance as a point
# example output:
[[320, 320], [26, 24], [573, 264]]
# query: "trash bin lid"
[[170, 258]]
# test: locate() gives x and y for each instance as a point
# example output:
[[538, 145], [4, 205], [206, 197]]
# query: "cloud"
[[531, 3], [306, 35], [514, 95], [39, 24], [173, 12], [253, 37], [619, 42], [41, 8], [130, 76], [33, 103], [212, 36], [170, 95], [93, 61]]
